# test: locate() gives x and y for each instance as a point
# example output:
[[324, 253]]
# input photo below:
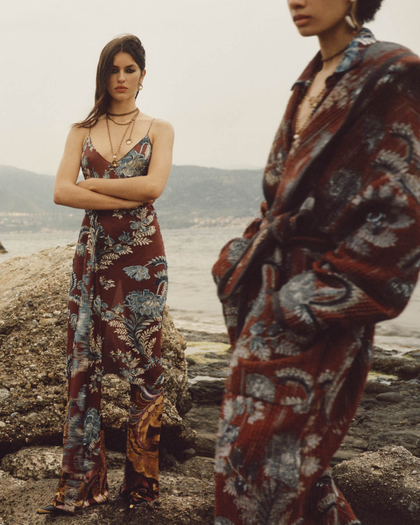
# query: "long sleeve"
[[371, 274]]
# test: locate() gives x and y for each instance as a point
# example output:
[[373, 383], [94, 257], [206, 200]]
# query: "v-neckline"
[[146, 137]]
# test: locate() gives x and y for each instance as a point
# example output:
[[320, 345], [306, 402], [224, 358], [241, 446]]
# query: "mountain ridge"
[[194, 195]]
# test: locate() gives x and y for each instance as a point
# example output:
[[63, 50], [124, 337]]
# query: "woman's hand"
[[148, 187]]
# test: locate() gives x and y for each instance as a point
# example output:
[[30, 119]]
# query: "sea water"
[[192, 298]]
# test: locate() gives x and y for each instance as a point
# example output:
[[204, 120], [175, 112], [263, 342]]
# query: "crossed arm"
[[111, 194]]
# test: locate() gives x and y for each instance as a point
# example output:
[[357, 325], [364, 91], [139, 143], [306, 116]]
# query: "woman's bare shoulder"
[[162, 127], [77, 134]]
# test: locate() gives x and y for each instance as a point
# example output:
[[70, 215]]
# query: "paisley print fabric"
[[117, 293], [334, 250]]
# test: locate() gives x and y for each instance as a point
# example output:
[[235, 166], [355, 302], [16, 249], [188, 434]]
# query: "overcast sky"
[[219, 70]]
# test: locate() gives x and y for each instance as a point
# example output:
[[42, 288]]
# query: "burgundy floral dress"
[[117, 293]]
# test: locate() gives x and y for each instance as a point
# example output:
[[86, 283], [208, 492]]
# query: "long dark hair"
[[122, 44]]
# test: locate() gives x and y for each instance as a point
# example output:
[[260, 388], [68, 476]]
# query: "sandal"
[[134, 502], [52, 510]]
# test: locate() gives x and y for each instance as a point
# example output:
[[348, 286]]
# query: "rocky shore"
[[377, 467]]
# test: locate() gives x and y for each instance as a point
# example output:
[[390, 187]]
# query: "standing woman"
[[119, 280], [335, 250]]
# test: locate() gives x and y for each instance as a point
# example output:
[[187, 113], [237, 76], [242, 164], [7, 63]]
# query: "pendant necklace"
[[314, 103], [114, 162]]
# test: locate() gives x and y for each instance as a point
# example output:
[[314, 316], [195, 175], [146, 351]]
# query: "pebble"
[[390, 397], [2, 424], [49, 321], [4, 394], [31, 418]]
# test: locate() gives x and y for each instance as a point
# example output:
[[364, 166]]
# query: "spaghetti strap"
[[150, 127]]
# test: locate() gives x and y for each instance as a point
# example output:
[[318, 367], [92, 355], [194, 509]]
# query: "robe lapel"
[[317, 135]]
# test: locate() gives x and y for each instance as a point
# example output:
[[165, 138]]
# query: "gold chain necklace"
[[114, 162], [314, 103]]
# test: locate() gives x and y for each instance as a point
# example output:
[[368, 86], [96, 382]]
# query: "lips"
[[121, 89], [301, 19]]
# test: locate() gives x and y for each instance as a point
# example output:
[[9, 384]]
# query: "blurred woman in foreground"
[[334, 251]]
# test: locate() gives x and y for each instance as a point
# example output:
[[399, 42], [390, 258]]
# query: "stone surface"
[[383, 487], [32, 398], [207, 390], [34, 463], [186, 498], [33, 387]]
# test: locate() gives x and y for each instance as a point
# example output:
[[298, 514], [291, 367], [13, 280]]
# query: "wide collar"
[[297, 155], [351, 58]]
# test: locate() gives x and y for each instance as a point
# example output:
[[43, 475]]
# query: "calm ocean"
[[192, 294]]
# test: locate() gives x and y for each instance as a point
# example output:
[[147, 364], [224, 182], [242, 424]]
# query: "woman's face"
[[314, 17], [125, 78]]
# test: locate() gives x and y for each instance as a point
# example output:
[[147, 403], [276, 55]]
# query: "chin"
[[307, 31]]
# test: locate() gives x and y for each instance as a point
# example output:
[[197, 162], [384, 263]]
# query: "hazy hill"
[[193, 195], [25, 192]]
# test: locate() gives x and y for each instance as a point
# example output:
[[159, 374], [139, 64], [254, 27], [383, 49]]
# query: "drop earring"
[[351, 19], [139, 88]]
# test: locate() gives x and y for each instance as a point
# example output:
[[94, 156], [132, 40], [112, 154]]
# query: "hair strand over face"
[[122, 44]]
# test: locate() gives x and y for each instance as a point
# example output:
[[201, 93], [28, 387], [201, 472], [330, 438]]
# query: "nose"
[[121, 76], [296, 4]]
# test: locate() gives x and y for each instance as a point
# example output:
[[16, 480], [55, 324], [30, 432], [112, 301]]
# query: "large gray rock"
[[33, 303], [34, 463], [382, 487]]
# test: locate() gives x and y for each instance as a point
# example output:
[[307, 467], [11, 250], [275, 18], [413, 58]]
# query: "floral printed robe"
[[117, 293], [335, 250]]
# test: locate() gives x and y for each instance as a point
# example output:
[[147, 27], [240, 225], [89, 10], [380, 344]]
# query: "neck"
[[332, 41], [123, 106]]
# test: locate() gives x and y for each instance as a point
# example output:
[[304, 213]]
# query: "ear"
[[143, 74]]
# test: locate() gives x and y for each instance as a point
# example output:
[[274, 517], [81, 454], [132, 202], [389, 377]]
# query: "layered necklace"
[[314, 103], [129, 140]]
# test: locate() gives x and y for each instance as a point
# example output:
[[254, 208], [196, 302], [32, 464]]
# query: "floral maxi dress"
[[117, 293]]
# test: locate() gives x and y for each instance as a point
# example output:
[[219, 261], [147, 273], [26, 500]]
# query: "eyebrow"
[[130, 65]]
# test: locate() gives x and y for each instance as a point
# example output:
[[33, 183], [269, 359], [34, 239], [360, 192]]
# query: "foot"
[[136, 502], [51, 509]]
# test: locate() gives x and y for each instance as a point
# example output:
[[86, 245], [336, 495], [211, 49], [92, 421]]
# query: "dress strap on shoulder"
[[150, 127]]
